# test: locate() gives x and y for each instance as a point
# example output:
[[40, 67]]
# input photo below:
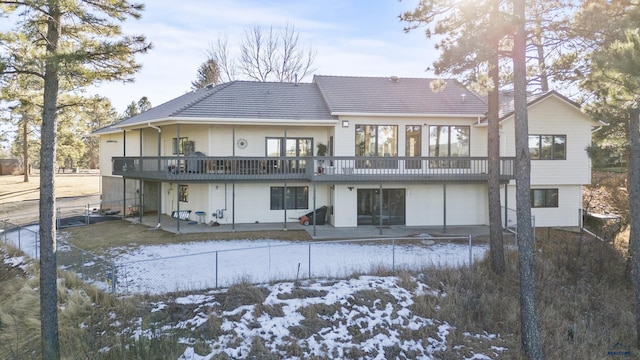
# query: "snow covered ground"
[[351, 325], [200, 265], [347, 320]]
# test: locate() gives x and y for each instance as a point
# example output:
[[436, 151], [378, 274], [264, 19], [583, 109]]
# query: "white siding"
[[345, 137], [567, 212], [553, 116]]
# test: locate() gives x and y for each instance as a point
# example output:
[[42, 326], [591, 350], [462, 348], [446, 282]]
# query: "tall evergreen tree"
[[79, 43], [465, 28], [615, 79], [531, 341]]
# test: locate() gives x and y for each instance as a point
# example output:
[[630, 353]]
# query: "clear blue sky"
[[360, 38]]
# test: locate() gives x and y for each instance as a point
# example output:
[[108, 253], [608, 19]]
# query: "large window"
[[544, 198], [290, 147], [413, 146], [178, 145], [449, 141], [295, 197], [548, 147], [377, 140]]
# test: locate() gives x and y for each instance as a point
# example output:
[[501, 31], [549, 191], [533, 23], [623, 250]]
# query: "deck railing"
[[315, 169]]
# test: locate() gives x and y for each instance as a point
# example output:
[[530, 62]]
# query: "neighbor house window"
[[294, 197], [449, 141], [178, 145], [544, 198], [183, 193], [548, 147]]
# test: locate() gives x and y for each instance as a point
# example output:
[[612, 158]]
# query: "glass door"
[[393, 207]]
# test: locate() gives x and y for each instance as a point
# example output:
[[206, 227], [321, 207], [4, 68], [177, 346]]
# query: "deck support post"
[[380, 209], [444, 208]]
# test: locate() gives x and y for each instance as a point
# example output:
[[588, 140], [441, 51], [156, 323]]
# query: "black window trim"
[[546, 198], [553, 157]]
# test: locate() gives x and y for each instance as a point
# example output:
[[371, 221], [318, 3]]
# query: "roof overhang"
[[413, 115], [223, 121]]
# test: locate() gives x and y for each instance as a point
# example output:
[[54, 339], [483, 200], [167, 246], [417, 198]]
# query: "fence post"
[[114, 278], [82, 264], [470, 252], [393, 256], [216, 269], [87, 215], [309, 261]]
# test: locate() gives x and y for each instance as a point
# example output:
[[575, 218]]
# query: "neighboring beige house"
[[399, 153]]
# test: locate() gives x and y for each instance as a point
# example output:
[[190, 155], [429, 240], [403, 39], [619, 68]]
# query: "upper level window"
[[289, 147], [413, 146], [178, 145], [449, 141], [376, 140], [293, 147], [548, 147], [541, 198]]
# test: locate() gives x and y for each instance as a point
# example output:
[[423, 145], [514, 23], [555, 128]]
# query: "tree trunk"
[[25, 147], [634, 210], [48, 266], [496, 248], [528, 309]]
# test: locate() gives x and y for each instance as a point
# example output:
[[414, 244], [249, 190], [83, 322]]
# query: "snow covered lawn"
[[200, 265], [366, 317]]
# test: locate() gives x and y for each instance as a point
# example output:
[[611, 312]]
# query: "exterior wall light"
[[345, 123]]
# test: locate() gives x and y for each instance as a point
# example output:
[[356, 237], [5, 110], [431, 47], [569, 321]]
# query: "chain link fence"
[[215, 264], [264, 261]]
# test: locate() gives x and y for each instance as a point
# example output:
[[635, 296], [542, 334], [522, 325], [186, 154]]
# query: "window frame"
[[296, 198], [540, 148], [282, 146], [436, 151], [550, 198], [183, 193], [177, 145]]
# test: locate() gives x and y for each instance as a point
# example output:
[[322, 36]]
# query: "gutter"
[[154, 127]]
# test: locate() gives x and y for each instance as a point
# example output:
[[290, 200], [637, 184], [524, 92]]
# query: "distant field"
[[13, 188]]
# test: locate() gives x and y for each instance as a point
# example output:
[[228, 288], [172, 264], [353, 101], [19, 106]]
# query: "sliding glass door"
[[393, 207]]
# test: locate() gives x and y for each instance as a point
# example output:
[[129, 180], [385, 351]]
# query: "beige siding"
[[553, 116], [567, 212], [345, 137]]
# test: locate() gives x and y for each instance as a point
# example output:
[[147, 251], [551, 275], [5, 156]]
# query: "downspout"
[[159, 167]]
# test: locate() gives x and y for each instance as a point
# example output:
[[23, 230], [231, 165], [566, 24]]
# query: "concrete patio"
[[318, 232]]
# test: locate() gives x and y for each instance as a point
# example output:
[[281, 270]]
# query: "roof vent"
[[394, 78], [210, 86], [464, 97]]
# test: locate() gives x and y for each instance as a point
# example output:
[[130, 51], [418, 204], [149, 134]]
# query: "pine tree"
[[75, 43]]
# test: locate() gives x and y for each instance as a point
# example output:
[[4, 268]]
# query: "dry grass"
[[121, 233], [14, 189], [583, 299]]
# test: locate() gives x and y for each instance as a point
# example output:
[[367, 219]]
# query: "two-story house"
[[400, 151]]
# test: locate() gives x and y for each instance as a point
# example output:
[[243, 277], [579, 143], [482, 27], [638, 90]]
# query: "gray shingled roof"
[[507, 103], [323, 99], [382, 95], [243, 100]]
